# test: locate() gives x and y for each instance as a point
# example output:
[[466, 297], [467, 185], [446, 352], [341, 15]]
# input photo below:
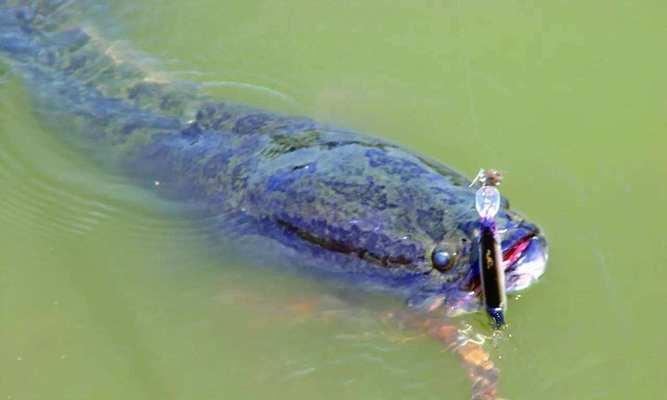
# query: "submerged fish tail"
[[72, 71], [122, 115]]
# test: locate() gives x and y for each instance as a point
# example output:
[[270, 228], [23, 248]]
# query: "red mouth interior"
[[510, 257], [515, 252]]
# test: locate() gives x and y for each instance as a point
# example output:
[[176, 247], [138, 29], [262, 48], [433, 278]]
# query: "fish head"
[[456, 259], [392, 220]]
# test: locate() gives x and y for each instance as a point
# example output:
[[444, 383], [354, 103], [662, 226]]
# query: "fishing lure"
[[491, 263]]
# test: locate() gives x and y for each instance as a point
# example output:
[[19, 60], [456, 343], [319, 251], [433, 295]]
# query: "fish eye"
[[442, 259]]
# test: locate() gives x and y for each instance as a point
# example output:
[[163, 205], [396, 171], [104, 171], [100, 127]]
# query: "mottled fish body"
[[312, 195]]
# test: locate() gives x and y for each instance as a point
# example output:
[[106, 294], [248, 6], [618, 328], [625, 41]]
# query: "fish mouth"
[[525, 255], [525, 261]]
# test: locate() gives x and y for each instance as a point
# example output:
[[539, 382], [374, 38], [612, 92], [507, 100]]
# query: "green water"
[[109, 293]]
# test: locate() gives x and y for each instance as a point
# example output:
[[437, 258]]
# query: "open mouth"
[[514, 253], [525, 256], [525, 262]]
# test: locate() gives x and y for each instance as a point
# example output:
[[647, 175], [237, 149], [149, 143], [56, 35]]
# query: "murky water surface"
[[109, 293]]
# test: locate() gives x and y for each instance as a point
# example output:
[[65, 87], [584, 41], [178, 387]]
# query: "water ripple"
[[48, 190]]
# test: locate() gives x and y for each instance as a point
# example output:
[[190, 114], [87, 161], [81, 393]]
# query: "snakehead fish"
[[285, 189]]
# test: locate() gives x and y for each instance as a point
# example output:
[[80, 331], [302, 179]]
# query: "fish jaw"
[[525, 254], [528, 265]]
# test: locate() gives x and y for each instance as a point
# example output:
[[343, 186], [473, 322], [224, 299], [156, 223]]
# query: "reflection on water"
[[108, 292]]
